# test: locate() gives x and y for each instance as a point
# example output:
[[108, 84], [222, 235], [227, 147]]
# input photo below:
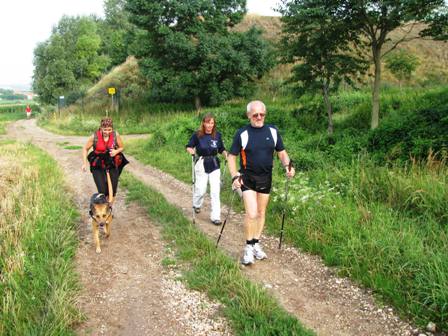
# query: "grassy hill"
[[270, 25], [433, 55]]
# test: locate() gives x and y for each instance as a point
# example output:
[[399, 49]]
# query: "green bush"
[[414, 134]]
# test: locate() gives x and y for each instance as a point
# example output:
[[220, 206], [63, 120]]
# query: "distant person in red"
[[28, 112]]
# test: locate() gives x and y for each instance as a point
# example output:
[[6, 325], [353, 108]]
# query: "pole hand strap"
[[235, 178], [288, 166]]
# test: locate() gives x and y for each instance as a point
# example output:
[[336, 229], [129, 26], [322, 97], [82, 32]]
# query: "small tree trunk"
[[376, 89], [197, 104], [329, 110]]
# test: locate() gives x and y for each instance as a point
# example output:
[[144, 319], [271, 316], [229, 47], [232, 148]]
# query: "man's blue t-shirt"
[[207, 147], [258, 155]]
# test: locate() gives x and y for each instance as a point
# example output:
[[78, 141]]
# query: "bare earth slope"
[[125, 287]]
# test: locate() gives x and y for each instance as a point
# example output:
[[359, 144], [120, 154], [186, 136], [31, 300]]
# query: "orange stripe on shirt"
[[243, 158]]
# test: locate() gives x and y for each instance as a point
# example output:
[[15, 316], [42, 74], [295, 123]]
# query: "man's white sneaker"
[[258, 252], [248, 255]]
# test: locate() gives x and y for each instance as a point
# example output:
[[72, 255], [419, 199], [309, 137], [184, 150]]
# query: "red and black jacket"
[[100, 157]]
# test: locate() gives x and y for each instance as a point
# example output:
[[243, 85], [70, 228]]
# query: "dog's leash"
[[109, 187]]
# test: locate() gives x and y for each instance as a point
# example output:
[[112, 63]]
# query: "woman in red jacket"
[[106, 156]]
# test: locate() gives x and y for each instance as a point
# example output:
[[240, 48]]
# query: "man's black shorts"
[[261, 184]]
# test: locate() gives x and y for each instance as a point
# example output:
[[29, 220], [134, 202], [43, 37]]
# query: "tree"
[[52, 75], [316, 38], [68, 59], [401, 64], [187, 51], [116, 31], [377, 19]]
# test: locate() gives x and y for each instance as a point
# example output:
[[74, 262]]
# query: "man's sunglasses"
[[256, 115]]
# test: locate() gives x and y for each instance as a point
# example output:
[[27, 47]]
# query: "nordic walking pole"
[[284, 205], [193, 182], [228, 213]]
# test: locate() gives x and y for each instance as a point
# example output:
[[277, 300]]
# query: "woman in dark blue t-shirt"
[[205, 144]]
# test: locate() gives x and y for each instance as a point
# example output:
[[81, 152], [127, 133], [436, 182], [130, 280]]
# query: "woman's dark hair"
[[206, 118], [106, 122]]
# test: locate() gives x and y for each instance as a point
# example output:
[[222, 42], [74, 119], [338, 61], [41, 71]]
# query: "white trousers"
[[200, 187]]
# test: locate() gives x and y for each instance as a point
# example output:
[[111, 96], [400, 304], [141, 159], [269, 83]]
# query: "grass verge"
[[37, 245], [249, 309], [7, 117]]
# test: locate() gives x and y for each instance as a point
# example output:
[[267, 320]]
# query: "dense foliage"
[[69, 59], [189, 54], [375, 21], [417, 134], [116, 32]]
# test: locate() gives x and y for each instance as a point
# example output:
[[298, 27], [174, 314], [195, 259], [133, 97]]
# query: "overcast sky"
[[24, 23]]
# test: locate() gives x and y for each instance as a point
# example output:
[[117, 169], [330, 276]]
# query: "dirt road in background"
[[125, 287]]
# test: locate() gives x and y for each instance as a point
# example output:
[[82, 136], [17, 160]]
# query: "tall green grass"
[[249, 309], [386, 228], [37, 245]]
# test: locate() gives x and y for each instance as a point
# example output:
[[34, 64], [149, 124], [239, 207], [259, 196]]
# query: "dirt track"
[[127, 291]]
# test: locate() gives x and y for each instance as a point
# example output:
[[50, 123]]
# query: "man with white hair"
[[255, 144]]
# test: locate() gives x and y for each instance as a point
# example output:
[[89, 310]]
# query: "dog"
[[101, 213]]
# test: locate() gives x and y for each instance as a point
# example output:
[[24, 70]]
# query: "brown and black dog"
[[101, 213]]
